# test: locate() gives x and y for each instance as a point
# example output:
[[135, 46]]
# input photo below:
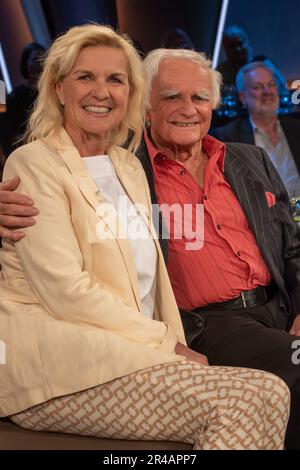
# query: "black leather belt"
[[249, 298]]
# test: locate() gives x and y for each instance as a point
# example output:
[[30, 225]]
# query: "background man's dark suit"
[[255, 337], [240, 130]]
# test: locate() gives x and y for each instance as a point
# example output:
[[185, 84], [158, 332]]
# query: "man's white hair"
[[157, 56]]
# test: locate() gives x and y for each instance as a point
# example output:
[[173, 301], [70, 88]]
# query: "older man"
[[240, 287], [278, 136], [245, 281]]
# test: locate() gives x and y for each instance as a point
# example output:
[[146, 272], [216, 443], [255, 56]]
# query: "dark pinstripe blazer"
[[251, 174]]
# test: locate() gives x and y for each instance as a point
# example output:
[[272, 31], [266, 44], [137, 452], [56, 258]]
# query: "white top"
[[143, 248], [281, 157]]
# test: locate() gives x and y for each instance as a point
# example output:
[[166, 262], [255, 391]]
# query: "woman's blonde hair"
[[47, 117]]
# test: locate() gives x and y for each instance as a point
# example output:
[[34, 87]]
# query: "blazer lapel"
[[246, 132], [143, 155], [250, 193], [93, 196], [130, 174], [132, 178], [75, 164]]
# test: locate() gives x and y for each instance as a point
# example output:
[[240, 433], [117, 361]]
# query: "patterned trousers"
[[208, 407]]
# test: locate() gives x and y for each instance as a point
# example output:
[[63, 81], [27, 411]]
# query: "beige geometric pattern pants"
[[209, 407]]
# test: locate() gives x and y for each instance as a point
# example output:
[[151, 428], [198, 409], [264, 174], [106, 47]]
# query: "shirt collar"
[[255, 128], [214, 149]]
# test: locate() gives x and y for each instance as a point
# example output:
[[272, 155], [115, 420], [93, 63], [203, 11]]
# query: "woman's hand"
[[16, 210], [191, 355]]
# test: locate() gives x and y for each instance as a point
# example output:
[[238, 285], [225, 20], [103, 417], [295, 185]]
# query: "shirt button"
[[219, 226], [238, 253], [182, 172], [205, 197]]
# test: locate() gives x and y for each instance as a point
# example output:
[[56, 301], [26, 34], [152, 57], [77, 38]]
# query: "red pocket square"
[[271, 199]]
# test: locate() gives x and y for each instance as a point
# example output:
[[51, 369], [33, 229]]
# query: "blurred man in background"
[[257, 86]]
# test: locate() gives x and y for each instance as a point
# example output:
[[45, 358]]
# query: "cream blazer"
[[70, 313]]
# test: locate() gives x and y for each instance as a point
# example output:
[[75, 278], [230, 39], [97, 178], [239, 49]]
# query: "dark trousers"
[[254, 337]]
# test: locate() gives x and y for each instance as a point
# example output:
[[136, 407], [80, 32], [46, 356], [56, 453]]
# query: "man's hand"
[[191, 355], [16, 210], [295, 330]]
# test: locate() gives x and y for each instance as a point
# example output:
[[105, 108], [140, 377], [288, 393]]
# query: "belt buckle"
[[257, 300], [244, 300]]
